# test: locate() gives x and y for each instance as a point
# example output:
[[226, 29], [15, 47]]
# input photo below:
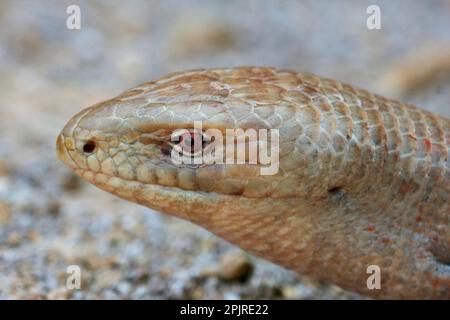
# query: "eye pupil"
[[188, 140], [89, 146]]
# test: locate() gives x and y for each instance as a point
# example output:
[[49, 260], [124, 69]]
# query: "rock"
[[297, 292], [33, 296], [209, 271], [60, 293], [108, 278], [4, 169], [71, 182], [5, 213], [235, 266], [54, 208], [124, 288], [197, 293], [140, 293], [13, 239], [231, 296], [140, 275], [166, 272], [198, 35], [416, 70], [33, 235]]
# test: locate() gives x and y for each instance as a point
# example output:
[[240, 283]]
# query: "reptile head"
[[128, 145]]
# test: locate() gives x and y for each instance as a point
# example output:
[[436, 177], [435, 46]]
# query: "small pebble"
[[297, 292], [4, 169], [199, 35], [108, 278], [13, 239], [71, 182], [5, 213], [54, 208], [235, 266], [60, 293]]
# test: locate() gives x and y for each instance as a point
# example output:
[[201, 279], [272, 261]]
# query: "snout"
[[62, 153]]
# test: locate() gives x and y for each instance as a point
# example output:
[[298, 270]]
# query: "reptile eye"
[[190, 142], [89, 146]]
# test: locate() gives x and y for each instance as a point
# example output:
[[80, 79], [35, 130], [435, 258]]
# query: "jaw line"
[[81, 173], [171, 200]]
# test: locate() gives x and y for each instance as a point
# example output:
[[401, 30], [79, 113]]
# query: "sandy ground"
[[49, 219]]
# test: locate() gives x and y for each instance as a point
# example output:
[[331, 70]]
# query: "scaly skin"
[[363, 180]]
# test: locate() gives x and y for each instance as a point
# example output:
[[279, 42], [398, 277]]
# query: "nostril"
[[89, 146]]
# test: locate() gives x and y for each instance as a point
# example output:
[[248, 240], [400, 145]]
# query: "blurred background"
[[49, 219]]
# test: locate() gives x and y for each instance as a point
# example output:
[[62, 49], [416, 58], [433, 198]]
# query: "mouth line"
[[145, 185], [82, 174]]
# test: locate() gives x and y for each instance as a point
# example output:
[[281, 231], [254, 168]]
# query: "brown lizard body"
[[362, 180]]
